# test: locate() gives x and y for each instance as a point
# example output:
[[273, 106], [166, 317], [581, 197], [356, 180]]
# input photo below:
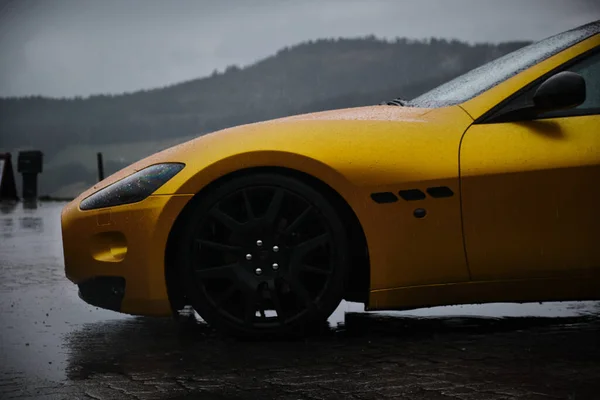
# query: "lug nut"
[[258, 271], [275, 266], [259, 243], [275, 249], [248, 256]]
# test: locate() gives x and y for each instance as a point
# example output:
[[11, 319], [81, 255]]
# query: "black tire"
[[295, 275]]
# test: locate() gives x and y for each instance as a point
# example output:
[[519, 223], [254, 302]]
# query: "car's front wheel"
[[263, 254]]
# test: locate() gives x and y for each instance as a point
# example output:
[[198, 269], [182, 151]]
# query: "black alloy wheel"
[[263, 254]]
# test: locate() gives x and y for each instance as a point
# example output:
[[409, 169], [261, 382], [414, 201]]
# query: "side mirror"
[[563, 90]]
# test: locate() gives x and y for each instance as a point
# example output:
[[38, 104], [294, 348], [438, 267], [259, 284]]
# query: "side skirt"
[[513, 291]]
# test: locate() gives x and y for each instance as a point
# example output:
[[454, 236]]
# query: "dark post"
[[30, 165], [100, 167], [8, 188]]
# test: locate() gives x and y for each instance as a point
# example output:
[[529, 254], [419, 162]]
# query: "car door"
[[531, 189]]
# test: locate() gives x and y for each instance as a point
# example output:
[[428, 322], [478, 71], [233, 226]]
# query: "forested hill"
[[311, 76]]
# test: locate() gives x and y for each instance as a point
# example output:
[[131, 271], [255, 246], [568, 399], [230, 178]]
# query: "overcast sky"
[[80, 47]]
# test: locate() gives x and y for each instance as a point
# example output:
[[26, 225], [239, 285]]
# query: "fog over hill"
[[311, 76]]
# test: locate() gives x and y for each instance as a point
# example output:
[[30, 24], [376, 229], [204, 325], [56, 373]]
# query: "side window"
[[589, 69]]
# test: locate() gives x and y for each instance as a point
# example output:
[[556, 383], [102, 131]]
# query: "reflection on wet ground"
[[55, 346]]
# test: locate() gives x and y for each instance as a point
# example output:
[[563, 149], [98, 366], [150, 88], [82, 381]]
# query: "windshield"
[[491, 74]]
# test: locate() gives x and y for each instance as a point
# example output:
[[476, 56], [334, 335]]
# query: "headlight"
[[136, 187]]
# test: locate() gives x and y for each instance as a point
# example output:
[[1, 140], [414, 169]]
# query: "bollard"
[[30, 165], [8, 187], [100, 167]]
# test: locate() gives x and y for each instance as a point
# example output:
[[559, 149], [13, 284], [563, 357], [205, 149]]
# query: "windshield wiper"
[[395, 102]]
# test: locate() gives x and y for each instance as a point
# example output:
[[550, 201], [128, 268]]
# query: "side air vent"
[[384, 197], [411, 194], [440, 191]]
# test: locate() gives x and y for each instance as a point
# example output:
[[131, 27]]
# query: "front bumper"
[[103, 291], [117, 255]]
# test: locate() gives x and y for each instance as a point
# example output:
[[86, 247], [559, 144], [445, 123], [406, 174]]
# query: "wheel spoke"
[[300, 291], [225, 295], [222, 271], [225, 219], [248, 205], [276, 302], [225, 248], [298, 221], [316, 270], [274, 206], [311, 244], [249, 307]]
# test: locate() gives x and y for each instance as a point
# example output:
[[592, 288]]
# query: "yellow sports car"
[[485, 189]]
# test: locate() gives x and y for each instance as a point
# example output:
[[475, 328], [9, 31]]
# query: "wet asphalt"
[[54, 346]]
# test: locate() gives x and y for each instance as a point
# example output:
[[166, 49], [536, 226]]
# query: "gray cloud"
[[80, 47]]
